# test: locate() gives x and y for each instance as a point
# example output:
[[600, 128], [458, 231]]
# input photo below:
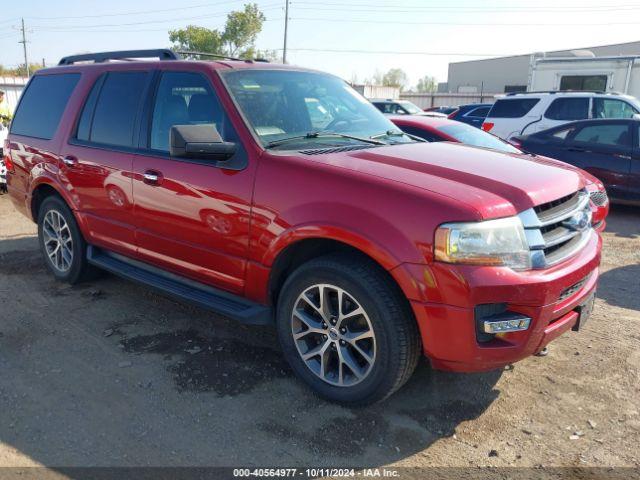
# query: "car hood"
[[495, 184]]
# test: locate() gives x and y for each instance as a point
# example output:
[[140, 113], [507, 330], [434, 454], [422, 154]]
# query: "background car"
[[445, 130], [608, 149], [529, 112], [473, 113], [446, 110], [403, 107]]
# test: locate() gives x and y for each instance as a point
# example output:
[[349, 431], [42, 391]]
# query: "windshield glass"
[[280, 104], [473, 136], [410, 107]]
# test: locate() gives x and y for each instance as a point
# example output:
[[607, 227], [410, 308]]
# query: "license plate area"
[[584, 311]]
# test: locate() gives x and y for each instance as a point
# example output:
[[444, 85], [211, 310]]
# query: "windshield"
[[410, 107], [280, 104], [473, 136]]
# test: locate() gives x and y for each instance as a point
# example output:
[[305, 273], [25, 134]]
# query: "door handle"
[[622, 155], [575, 149], [151, 177], [70, 161]]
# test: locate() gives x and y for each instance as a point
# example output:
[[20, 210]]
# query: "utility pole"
[[286, 27], [24, 46]]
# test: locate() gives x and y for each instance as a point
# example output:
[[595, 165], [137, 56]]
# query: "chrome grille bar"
[[557, 230]]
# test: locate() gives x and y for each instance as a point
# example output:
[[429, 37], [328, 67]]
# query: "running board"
[[224, 303]]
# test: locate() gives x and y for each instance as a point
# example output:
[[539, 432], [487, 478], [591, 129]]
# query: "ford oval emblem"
[[579, 221]]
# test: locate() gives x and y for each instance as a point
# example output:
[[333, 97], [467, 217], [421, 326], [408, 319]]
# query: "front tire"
[[346, 329], [61, 242]]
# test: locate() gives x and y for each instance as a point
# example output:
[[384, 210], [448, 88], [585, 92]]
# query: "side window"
[[43, 104], [611, 108], [512, 108], [116, 108], [583, 82], [616, 135], [568, 109], [428, 136], [561, 134], [480, 112], [184, 98]]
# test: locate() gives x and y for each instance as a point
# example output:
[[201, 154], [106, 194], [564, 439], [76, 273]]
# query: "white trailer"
[[608, 74]]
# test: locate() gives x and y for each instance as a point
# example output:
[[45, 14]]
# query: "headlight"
[[499, 242]]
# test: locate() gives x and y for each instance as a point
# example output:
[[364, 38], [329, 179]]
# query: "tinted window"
[[430, 137], [616, 134], [611, 108], [474, 136], [513, 108], [583, 82], [42, 105], [84, 125], [184, 98], [568, 109], [561, 134], [479, 112], [115, 113]]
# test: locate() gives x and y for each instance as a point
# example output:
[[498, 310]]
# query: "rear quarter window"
[[42, 105], [513, 107]]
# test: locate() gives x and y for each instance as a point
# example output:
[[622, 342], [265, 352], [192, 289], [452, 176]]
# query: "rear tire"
[[360, 353], [61, 242]]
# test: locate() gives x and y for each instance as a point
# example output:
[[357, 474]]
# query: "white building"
[[12, 87], [509, 74]]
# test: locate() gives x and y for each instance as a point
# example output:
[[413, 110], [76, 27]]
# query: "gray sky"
[[345, 37]]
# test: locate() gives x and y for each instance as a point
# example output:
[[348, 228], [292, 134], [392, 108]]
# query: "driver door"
[[192, 217]]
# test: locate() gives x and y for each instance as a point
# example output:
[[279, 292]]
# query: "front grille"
[[558, 229], [599, 198]]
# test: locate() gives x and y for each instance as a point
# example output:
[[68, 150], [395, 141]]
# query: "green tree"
[[241, 30], [237, 39], [427, 84], [197, 39], [395, 77]]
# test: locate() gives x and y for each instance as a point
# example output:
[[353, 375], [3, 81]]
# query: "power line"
[[462, 24], [139, 12]]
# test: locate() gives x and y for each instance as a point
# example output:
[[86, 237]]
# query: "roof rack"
[[160, 54], [552, 92], [223, 57]]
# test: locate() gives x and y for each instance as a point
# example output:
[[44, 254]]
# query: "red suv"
[[278, 195]]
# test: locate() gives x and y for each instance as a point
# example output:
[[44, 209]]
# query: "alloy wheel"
[[333, 335], [58, 242]]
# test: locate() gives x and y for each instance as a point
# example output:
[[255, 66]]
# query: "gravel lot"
[[112, 374]]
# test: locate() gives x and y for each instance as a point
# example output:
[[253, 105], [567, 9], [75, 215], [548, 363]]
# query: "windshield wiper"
[[321, 134], [397, 133]]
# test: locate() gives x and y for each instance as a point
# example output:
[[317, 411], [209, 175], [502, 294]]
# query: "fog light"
[[508, 325]]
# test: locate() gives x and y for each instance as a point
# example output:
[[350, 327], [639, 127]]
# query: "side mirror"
[[200, 142]]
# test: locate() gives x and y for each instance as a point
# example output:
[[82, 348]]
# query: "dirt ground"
[[112, 374]]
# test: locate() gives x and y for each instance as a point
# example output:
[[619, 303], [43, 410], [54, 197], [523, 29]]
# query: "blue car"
[[473, 113], [608, 149]]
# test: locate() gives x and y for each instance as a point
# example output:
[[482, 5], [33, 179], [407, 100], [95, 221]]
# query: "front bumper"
[[447, 322]]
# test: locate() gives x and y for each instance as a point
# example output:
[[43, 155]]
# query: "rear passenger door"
[[563, 110], [604, 150], [194, 218], [97, 159]]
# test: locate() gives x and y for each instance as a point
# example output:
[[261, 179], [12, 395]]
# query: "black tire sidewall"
[[78, 263], [380, 379]]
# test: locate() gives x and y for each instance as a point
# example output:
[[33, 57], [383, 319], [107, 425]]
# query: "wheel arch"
[[44, 189], [305, 248]]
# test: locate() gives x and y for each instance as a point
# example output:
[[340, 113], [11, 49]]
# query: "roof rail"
[[214, 55], [160, 54], [551, 92]]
